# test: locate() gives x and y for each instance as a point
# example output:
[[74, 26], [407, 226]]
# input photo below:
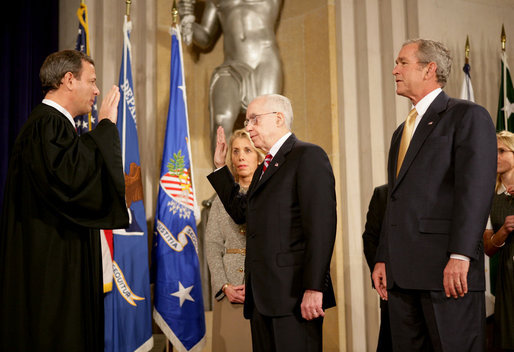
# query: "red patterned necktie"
[[266, 162]]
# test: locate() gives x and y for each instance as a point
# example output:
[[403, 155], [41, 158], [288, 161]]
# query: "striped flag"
[[128, 322], [178, 300], [87, 122]]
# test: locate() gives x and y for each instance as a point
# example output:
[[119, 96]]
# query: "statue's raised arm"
[[202, 34]]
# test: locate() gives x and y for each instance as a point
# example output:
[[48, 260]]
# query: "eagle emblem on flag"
[[178, 186]]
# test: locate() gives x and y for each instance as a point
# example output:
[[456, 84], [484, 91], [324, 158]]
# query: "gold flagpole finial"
[[467, 49], [174, 14], [127, 8], [504, 38]]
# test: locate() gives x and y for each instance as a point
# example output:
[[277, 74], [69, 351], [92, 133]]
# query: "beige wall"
[[338, 56], [482, 21]]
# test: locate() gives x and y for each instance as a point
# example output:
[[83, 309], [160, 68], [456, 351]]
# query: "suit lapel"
[[425, 127], [393, 156], [255, 178], [278, 160]]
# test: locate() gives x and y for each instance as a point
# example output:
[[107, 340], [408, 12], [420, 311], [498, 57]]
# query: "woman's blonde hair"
[[245, 135], [507, 139]]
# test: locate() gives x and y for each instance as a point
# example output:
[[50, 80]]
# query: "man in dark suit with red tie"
[[441, 171], [290, 212]]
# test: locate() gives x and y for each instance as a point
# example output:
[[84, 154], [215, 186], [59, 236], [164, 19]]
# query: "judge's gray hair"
[[56, 65], [280, 103], [432, 51]]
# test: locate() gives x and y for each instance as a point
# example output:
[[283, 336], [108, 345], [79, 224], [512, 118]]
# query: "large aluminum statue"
[[251, 65]]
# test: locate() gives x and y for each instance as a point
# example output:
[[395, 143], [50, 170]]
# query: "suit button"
[[241, 270]]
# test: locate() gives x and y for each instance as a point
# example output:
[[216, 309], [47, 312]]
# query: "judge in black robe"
[[61, 188]]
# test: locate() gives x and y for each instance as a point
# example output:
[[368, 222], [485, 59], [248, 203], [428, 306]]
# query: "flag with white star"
[[506, 99], [178, 300], [86, 122], [128, 307]]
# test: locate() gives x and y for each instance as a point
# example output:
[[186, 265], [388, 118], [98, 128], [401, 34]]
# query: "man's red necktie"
[[267, 160]]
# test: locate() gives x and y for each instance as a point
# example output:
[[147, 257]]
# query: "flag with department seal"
[[178, 300], [128, 320]]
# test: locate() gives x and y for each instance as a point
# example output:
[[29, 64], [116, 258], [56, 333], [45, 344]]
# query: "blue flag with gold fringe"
[[86, 122], [128, 322], [178, 300]]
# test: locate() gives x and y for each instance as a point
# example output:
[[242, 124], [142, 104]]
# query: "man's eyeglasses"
[[252, 120]]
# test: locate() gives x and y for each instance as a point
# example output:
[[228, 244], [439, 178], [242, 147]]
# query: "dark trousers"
[[428, 321], [384, 338], [289, 333]]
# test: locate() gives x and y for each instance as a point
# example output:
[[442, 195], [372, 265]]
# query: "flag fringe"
[[161, 323], [147, 346]]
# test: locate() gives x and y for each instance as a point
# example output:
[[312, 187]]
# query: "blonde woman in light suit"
[[226, 249]]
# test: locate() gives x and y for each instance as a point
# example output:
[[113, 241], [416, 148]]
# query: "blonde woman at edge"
[[226, 249]]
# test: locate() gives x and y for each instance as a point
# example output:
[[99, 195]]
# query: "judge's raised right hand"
[[221, 148], [109, 108]]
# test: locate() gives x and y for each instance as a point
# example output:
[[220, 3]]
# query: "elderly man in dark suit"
[[290, 211], [441, 170]]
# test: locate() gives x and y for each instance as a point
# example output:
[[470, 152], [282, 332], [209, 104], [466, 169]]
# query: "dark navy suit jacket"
[[440, 200]]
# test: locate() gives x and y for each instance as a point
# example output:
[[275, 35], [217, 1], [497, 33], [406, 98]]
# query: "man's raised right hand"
[[109, 107], [221, 148]]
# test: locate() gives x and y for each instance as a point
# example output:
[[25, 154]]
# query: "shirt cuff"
[[489, 225], [459, 257]]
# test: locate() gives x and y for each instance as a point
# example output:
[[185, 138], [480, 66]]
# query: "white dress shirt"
[[423, 104], [278, 144]]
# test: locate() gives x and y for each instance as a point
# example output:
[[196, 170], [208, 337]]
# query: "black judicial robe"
[[60, 190]]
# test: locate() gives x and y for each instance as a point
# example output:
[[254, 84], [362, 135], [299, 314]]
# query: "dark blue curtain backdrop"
[[29, 32]]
